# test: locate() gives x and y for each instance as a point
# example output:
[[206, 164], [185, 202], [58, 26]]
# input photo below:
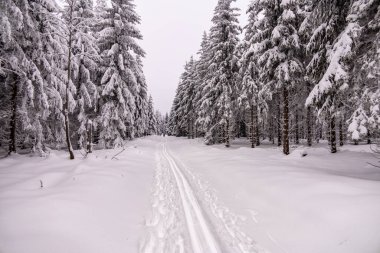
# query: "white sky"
[[172, 32]]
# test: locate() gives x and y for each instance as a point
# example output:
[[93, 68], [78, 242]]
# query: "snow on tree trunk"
[[227, 133], [12, 137], [66, 109], [89, 136]]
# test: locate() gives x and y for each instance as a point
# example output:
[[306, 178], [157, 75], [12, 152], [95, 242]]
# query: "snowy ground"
[[172, 195]]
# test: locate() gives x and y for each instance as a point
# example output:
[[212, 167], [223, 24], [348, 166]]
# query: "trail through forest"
[[174, 195], [180, 223]]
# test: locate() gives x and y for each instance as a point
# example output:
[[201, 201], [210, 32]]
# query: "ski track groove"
[[226, 222], [179, 223], [202, 239], [164, 225]]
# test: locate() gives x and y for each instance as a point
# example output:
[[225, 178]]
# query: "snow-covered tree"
[[141, 115], [327, 20], [51, 72], [201, 73], [187, 103], [219, 86], [152, 121], [252, 95], [31, 59], [340, 35], [118, 44], [279, 47], [365, 120], [85, 60], [263, 18]]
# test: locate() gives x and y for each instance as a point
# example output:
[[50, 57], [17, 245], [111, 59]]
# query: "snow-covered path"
[[244, 196], [179, 223], [174, 195], [197, 230], [202, 239]]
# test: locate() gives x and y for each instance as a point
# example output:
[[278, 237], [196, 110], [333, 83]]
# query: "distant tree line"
[[306, 69]]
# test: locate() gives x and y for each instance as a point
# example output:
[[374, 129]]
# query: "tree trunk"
[[369, 137], [257, 127], [188, 129], [270, 129], [279, 131], [67, 122], [252, 128], [192, 129], [320, 134], [309, 131], [297, 137], [12, 136], [328, 130], [89, 137], [333, 134], [227, 134], [341, 139], [286, 149]]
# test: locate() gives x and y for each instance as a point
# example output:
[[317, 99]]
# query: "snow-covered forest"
[[71, 76], [272, 143], [303, 70]]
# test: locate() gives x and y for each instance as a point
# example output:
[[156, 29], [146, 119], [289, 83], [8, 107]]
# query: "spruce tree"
[[365, 119], [118, 44], [327, 20], [141, 115], [85, 60], [279, 48], [219, 84], [201, 73], [152, 121], [31, 46]]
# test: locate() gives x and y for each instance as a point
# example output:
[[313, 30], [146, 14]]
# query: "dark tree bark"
[[286, 148], [333, 134], [297, 136], [90, 134], [320, 134], [66, 109], [252, 128], [279, 131], [328, 130], [257, 135], [271, 135], [80, 144], [308, 125], [341, 139], [193, 129], [369, 137], [189, 129], [227, 134], [12, 136]]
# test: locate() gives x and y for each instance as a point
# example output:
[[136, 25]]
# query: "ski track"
[[202, 239], [179, 223], [164, 225], [224, 220]]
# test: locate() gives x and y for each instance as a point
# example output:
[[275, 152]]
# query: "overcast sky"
[[172, 32]]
